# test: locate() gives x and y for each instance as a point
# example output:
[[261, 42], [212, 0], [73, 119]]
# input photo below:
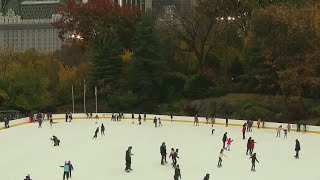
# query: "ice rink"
[[26, 149]]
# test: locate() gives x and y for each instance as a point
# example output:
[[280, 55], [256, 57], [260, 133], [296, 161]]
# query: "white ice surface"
[[27, 150]]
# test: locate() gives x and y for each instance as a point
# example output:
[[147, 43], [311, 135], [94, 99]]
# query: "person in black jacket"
[[206, 177], [102, 129], [248, 145], [177, 173], [253, 161], [297, 149], [163, 152], [96, 133], [298, 126], [139, 119], [128, 159], [224, 139]]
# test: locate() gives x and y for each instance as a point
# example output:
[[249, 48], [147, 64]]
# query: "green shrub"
[[196, 86], [255, 112], [316, 111], [122, 101]]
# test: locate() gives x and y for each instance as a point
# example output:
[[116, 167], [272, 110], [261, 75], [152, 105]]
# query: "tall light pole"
[[75, 37], [227, 20]]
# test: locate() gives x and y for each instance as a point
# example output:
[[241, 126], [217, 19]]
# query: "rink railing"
[[167, 118]]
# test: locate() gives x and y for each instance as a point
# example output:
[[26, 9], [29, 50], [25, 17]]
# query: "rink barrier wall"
[[15, 122], [167, 118], [189, 119]]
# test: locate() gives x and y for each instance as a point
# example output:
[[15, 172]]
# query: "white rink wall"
[[232, 122], [15, 122]]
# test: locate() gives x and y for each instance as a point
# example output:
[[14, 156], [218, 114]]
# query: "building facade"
[[27, 24]]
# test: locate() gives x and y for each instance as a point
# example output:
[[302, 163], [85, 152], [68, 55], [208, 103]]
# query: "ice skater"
[[139, 119], [196, 121], [248, 145], [40, 121], [66, 170], [253, 161], [177, 173], [206, 177], [244, 131], [128, 159], [229, 141], [28, 177], [289, 127], [160, 124], [102, 129], [96, 133], [132, 118], [171, 155], [56, 141], [227, 122], [298, 126], [51, 121], [155, 121], [171, 116], [279, 131], [6, 122], [297, 149], [145, 117], [96, 118], [174, 155], [70, 116], [212, 130], [258, 123], [252, 146], [224, 139], [66, 117], [285, 133], [163, 152], [220, 158], [70, 168]]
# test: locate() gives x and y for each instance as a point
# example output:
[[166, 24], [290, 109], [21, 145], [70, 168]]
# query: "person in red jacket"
[[244, 131], [252, 146]]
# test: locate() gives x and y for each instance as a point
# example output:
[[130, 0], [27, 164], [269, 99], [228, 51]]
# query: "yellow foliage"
[[127, 56]]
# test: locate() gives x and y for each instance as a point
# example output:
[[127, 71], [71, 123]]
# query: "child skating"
[[220, 158], [212, 130], [229, 141], [160, 124]]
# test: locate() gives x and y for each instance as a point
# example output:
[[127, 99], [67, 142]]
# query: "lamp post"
[[74, 37], [227, 20]]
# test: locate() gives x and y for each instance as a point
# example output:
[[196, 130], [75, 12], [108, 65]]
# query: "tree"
[[289, 39], [147, 65], [107, 65], [199, 29], [28, 87], [96, 19]]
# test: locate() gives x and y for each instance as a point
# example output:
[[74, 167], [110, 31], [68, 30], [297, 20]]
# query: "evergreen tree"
[[261, 77], [107, 63], [147, 63]]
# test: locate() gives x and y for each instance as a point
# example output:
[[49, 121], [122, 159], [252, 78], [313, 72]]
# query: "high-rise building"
[[145, 5], [27, 24], [24, 34], [161, 6]]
